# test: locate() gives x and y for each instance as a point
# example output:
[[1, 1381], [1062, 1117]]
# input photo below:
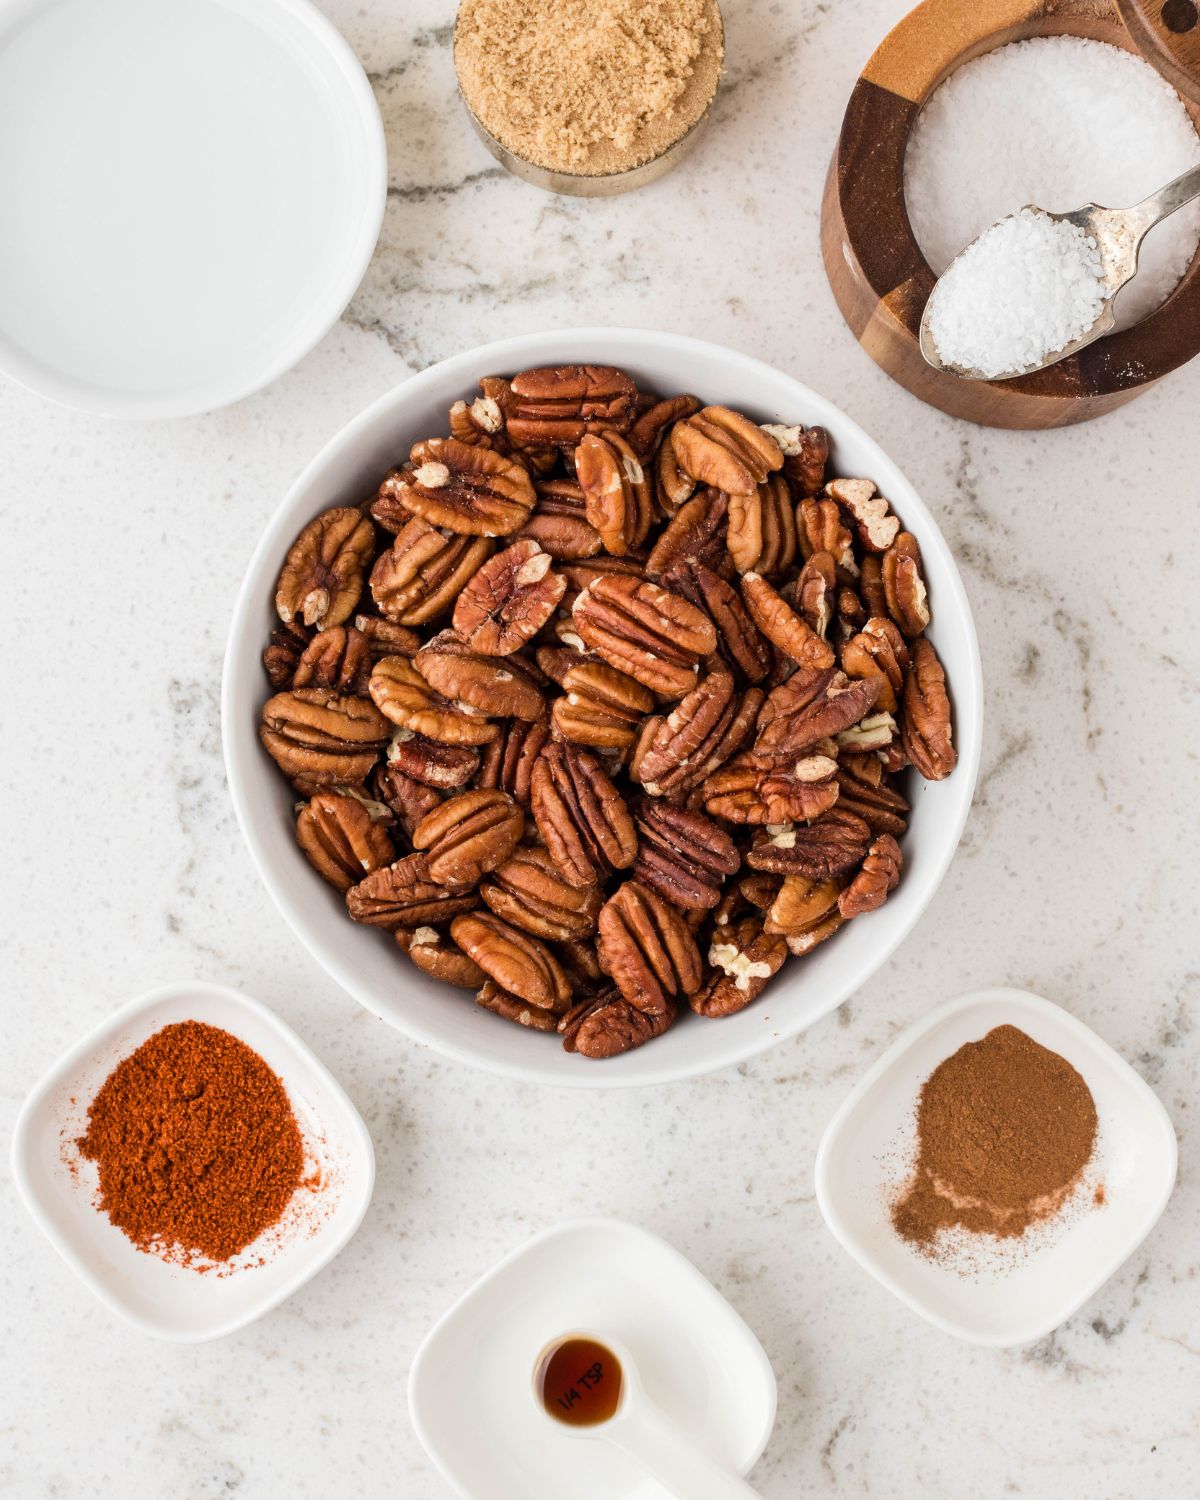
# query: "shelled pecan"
[[603, 705]]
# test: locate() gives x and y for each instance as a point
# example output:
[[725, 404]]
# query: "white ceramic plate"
[[172, 1301], [190, 191], [469, 1390], [1016, 1294], [366, 963]]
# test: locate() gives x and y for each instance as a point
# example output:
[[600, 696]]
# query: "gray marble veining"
[[124, 547]]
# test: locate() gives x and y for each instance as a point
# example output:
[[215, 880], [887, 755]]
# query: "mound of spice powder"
[[1005, 1128], [196, 1143]]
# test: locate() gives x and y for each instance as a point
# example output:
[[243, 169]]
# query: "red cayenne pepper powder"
[[196, 1142]]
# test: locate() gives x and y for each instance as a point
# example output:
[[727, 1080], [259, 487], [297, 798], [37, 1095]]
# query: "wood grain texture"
[[881, 280], [1167, 33]]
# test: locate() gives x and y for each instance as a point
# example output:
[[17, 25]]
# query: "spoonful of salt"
[[1036, 287]]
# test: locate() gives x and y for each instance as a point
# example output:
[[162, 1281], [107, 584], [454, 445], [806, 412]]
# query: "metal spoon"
[[648, 1436], [1118, 233]]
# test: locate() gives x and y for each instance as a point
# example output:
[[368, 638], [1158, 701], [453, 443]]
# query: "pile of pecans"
[[624, 721]]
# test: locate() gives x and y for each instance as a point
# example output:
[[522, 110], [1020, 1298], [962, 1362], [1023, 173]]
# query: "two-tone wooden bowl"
[[880, 278]]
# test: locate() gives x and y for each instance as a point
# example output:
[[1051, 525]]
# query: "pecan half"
[[874, 883], [509, 600], [513, 1008], [468, 836], [403, 895], [879, 650], [408, 798], [446, 767], [874, 523], [600, 706], [341, 840], [762, 529], [466, 488], [682, 855], [487, 684], [811, 707], [386, 638], [821, 528], [825, 850], [441, 959], [651, 426], [528, 891], [805, 454], [608, 1025], [335, 658], [556, 405], [322, 735], [408, 699], [675, 488], [802, 906], [738, 638], [322, 575], [870, 586], [582, 818], [509, 760], [904, 586], [926, 733], [747, 957], [281, 657], [816, 592], [801, 790], [617, 494], [864, 791], [721, 447], [519, 963], [643, 630], [559, 522], [646, 947], [680, 750], [783, 627], [423, 572], [696, 532]]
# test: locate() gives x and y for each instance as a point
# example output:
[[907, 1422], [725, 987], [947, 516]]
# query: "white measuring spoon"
[[1118, 233], [646, 1434]]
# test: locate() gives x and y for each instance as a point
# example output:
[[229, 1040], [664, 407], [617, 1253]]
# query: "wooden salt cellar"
[[880, 278]]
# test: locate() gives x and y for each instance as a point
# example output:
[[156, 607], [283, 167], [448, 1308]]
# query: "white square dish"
[[173, 1301], [1011, 1298], [469, 1390]]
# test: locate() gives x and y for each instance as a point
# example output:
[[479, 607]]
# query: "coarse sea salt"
[[1028, 286], [1057, 121]]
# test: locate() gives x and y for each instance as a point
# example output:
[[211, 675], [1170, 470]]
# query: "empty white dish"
[[469, 1391], [1018, 1291], [168, 1300], [190, 193], [367, 963]]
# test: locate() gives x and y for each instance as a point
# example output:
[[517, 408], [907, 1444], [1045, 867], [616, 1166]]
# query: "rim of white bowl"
[[81, 395], [517, 352]]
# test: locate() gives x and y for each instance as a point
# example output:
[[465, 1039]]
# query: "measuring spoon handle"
[[1158, 206], [672, 1457]]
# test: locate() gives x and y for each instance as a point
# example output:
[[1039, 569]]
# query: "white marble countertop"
[[123, 548]]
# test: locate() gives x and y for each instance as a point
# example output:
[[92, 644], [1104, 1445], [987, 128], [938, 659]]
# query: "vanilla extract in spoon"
[[579, 1382]]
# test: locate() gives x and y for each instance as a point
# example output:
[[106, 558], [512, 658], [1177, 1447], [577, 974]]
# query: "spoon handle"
[[1152, 210], [672, 1457]]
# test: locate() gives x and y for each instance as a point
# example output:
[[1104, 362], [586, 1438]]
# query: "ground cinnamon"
[[1005, 1128], [196, 1142]]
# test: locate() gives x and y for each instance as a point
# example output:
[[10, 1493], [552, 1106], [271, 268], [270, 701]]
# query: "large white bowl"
[[366, 962]]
